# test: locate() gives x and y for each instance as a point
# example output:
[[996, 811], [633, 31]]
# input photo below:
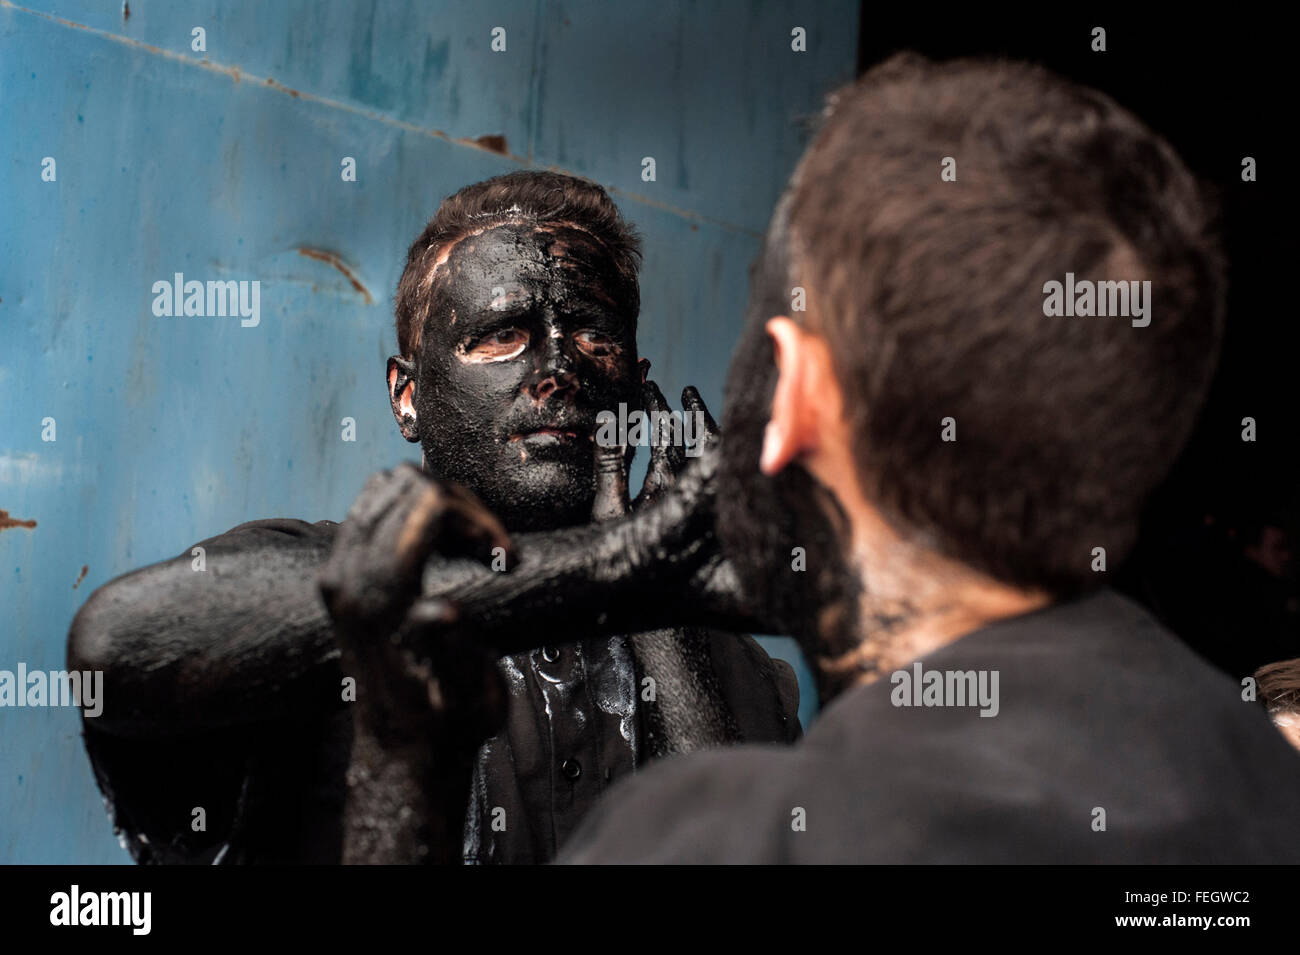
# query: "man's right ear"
[[803, 371], [401, 394]]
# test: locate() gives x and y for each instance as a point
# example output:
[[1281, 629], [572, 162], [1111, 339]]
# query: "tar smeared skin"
[[693, 714], [221, 691], [720, 541], [246, 640], [761, 519], [250, 674], [434, 700], [407, 786], [222, 685], [580, 358], [370, 580], [419, 718], [659, 566], [526, 340]]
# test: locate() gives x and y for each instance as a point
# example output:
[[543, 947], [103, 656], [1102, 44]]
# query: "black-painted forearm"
[[405, 805], [659, 567], [243, 640]]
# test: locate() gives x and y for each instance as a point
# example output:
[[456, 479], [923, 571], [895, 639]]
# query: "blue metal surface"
[[225, 165]]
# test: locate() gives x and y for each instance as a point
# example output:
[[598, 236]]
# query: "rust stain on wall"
[[495, 143], [331, 258], [282, 88], [6, 521]]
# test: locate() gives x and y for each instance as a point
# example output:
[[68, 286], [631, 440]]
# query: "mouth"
[[545, 437]]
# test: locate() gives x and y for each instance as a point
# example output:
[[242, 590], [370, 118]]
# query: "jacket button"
[[571, 768], [550, 654]]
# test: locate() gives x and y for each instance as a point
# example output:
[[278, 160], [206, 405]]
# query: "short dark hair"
[[1279, 686], [541, 197], [931, 294]]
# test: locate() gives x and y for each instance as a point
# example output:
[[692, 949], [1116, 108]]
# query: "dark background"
[[1217, 89]]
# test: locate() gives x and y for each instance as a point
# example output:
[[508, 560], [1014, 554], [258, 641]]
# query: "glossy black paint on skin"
[[722, 539], [761, 519], [228, 684], [478, 419]]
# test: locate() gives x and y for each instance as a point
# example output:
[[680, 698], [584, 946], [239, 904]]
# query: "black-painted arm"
[[238, 637], [660, 566]]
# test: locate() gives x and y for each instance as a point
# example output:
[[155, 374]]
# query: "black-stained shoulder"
[[275, 529]]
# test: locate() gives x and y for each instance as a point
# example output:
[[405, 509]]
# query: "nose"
[[555, 375]]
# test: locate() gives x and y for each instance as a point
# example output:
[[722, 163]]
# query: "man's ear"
[[802, 363], [401, 395]]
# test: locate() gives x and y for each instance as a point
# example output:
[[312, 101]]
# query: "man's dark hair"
[[1278, 686], [534, 197], [931, 296]]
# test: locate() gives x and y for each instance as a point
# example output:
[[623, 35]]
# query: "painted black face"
[[528, 338], [762, 519]]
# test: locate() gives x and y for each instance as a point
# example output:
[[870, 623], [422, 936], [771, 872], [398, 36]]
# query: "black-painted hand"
[[669, 454], [660, 566], [400, 520], [423, 708]]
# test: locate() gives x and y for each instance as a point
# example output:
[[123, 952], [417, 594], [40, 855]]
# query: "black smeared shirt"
[[274, 791], [576, 725], [1101, 710]]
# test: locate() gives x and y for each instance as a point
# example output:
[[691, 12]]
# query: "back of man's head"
[[1279, 690], [924, 223]]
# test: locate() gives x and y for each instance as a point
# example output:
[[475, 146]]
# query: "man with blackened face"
[[530, 332], [517, 322], [516, 325]]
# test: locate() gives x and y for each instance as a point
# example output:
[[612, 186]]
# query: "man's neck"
[[913, 602]]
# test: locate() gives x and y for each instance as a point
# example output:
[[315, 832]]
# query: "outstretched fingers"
[[706, 429]]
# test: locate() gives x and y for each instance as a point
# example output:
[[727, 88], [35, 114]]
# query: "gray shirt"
[[1112, 743]]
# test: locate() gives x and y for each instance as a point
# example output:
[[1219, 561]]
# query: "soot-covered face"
[[528, 338], [762, 519]]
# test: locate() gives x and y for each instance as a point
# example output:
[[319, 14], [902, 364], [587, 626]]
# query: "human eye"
[[499, 345], [595, 343]]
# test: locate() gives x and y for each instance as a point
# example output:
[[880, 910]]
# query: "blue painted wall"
[[224, 164]]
